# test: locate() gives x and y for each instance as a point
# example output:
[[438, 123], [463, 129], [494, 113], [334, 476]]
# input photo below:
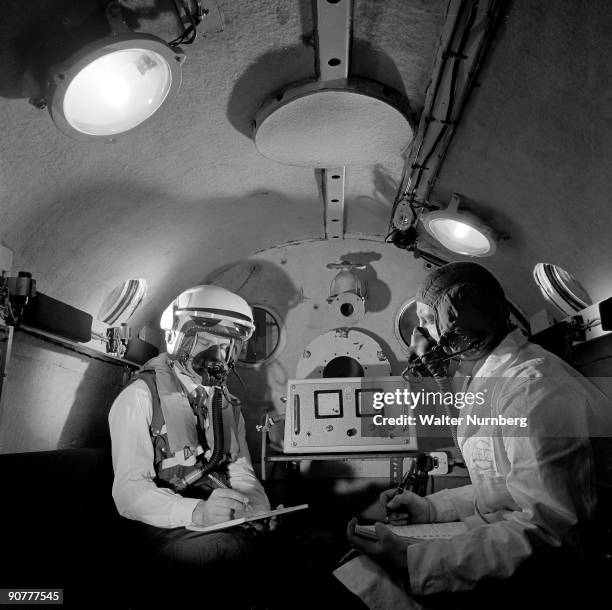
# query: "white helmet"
[[210, 312]]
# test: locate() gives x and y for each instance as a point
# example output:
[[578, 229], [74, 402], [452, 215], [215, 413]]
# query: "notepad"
[[417, 532], [246, 519]]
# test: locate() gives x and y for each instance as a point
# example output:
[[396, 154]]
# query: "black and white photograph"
[[306, 304]]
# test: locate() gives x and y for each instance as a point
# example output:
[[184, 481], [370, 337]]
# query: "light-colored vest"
[[178, 449]]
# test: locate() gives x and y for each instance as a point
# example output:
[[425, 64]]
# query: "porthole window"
[[405, 321], [561, 289], [122, 302], [266, 340]]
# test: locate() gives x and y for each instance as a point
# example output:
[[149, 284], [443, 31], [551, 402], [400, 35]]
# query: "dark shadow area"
[[185, 238], [385, 186], [266, 77], [343, 366], [272, 73], [371, 62], [262, 282], [62, 529], [38, 34], [87, 422]]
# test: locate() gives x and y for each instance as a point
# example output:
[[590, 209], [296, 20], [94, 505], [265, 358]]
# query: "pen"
[[221, 485], [402, 486], [407, 478]]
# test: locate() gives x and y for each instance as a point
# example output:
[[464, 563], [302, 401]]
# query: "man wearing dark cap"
[[536, 482]]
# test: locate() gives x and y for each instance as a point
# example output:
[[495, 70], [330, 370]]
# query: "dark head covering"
[[442, 279], [468, 289]]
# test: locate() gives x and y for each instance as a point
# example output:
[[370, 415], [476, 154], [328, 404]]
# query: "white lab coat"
[[530, 486]]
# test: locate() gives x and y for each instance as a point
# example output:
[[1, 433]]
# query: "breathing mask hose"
[[435, 363], [214, 373], [182, 483], [218, 437]]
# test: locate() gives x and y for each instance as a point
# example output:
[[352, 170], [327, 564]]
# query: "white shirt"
[[135, 493]]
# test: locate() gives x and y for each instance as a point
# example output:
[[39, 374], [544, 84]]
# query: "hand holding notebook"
[[246, 519], [417, 532]]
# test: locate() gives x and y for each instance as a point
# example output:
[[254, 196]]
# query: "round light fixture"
[[460, 231], [113, 85]]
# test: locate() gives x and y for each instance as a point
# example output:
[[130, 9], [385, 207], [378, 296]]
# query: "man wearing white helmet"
[[175, 424]]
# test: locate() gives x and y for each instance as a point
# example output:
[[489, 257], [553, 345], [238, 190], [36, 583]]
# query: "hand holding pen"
[[403, 506], [219, 484], [222, 505]]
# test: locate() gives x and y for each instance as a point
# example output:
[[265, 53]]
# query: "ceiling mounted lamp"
[[460, 231], [115, 84]]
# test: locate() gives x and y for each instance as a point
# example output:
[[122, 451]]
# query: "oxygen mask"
[[434, 362], [208, 358], [211, 366]]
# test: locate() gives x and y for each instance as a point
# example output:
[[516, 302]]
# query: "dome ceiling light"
[[460, 231], [114, 84]]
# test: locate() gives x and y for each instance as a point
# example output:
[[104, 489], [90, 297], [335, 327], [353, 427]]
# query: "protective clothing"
[[438, 282], [158, 436], [531, 487], [467, 296], [174, 436], [204, 316], [136, 494]]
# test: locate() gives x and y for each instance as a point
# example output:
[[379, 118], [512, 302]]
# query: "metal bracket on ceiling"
[[333, 38], [333, 198]]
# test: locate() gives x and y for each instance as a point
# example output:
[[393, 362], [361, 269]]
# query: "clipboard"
[[246, 519]]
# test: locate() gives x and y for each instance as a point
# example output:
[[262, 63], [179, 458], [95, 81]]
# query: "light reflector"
[[459, 237], [460, 232], [117, 92], [114, 85]]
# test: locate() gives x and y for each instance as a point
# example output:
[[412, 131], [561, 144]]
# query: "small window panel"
[[405, 321], [265, 342], [122, 302]]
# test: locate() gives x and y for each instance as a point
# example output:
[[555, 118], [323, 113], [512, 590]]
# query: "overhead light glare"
[[117, 92], [115, 84], [460, 231]]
